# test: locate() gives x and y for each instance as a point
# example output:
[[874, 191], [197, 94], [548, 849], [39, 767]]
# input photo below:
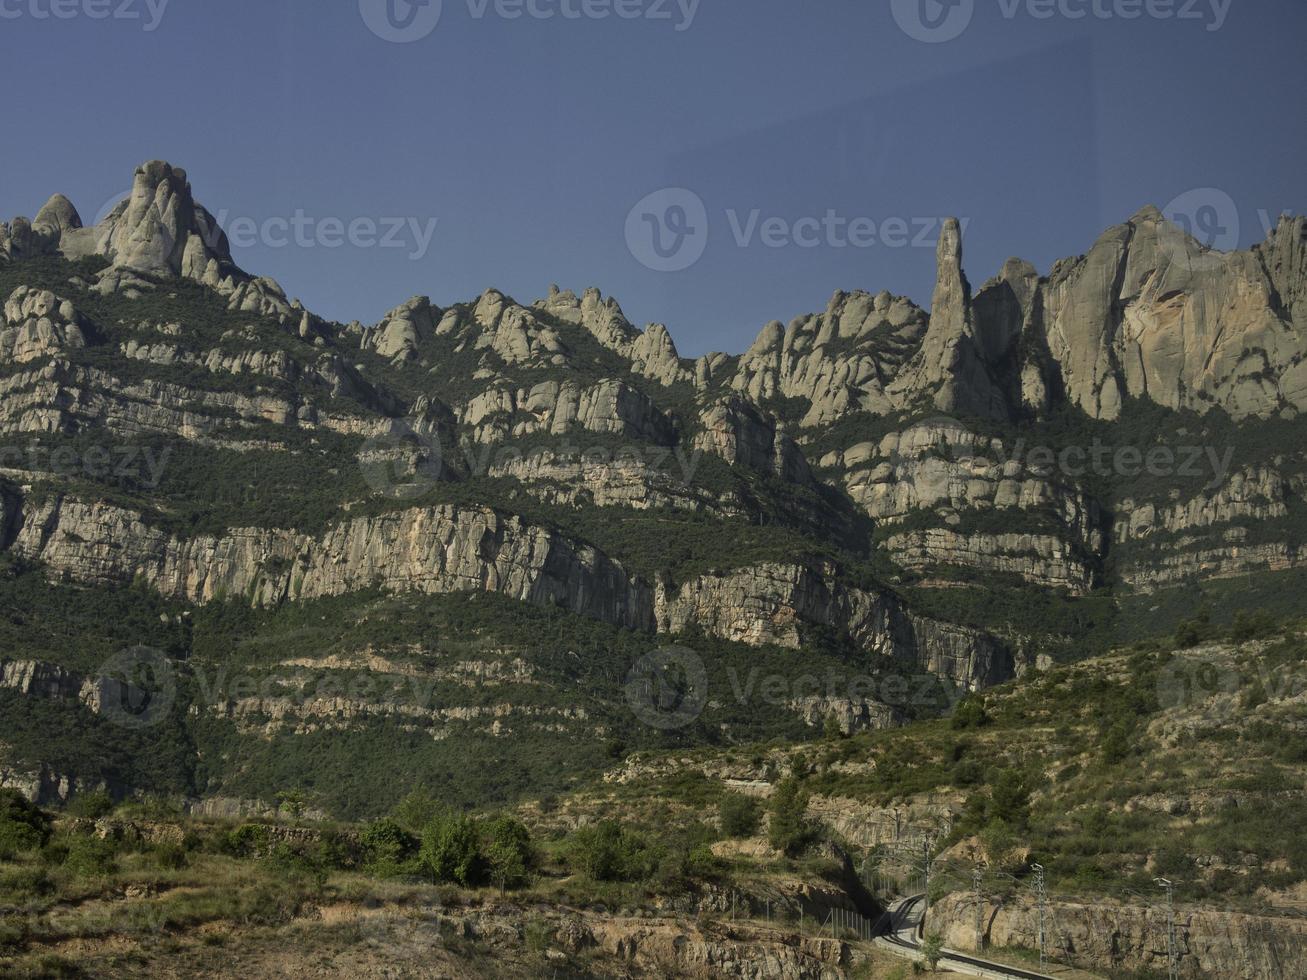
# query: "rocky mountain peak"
[[58, 214]]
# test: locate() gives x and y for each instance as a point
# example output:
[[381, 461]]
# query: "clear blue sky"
[[531, 139]]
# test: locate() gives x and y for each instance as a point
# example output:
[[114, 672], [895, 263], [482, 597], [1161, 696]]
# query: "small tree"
[[450, 851], [416, 810], [23, 827], [932, 948], [91, 805], [970, 713], [607, 852], [831, 730], [788, 829], [1116, 743], [509, 854], [387, 846], [1010, 798], [293, 801], [739, 815]]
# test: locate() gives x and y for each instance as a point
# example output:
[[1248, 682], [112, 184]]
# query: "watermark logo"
[[943, 450], [933, 21], [1220, 690], [668, 689], [402, 463], [667, 231], [401, 21], [1207, 215], [147, 13], [137, 687]]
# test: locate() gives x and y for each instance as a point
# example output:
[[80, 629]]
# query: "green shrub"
[[739, 815], [1009, 798], [970, 713], [609, 852], [90, 857], [450, 850], [92, 806], [416, 810], [23, 827], [509, 855], [387, 848], [247, 840], [170, 856], [789, 830]]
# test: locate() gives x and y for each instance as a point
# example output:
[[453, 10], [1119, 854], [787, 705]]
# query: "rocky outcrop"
[[57, 397], [1040, 559], [39, 324], [434, 550], [630, 481], [404, 328], [1149, 313], [940, 470], [850, 714], [39, 679], [775, 603], [951, 368], [742, 434], [1117, 939], [611, 407], [652, 353], [1254, 495], [840, 361], [160, 229]]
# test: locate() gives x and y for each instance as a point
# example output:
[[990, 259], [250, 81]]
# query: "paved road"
[[905, 924]]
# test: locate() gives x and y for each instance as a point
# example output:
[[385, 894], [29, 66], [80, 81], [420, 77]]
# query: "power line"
[[1172, 964], [1038, 869]]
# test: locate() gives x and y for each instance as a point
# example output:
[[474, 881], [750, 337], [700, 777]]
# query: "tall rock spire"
[[950, 368]]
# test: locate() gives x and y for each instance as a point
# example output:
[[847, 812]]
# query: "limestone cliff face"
[[611, 407], [440, 549], [1219, 532], [1121, 939], [37, 679], [740, 433], [449, 549], [1149, 313], [773, 603], [941, 468]]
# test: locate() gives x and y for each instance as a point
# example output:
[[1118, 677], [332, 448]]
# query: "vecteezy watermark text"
[[668, 230], [937, 21], [303, 230], [1101, 459], [406, 462], [406, 21], [140, 465], [149, 13]]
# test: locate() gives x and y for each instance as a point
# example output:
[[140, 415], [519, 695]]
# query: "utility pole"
[[1039, 890], [1172, 966], [925, 847], [980, 912]]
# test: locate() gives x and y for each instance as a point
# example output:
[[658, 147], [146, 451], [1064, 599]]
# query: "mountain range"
[[500, 506]]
